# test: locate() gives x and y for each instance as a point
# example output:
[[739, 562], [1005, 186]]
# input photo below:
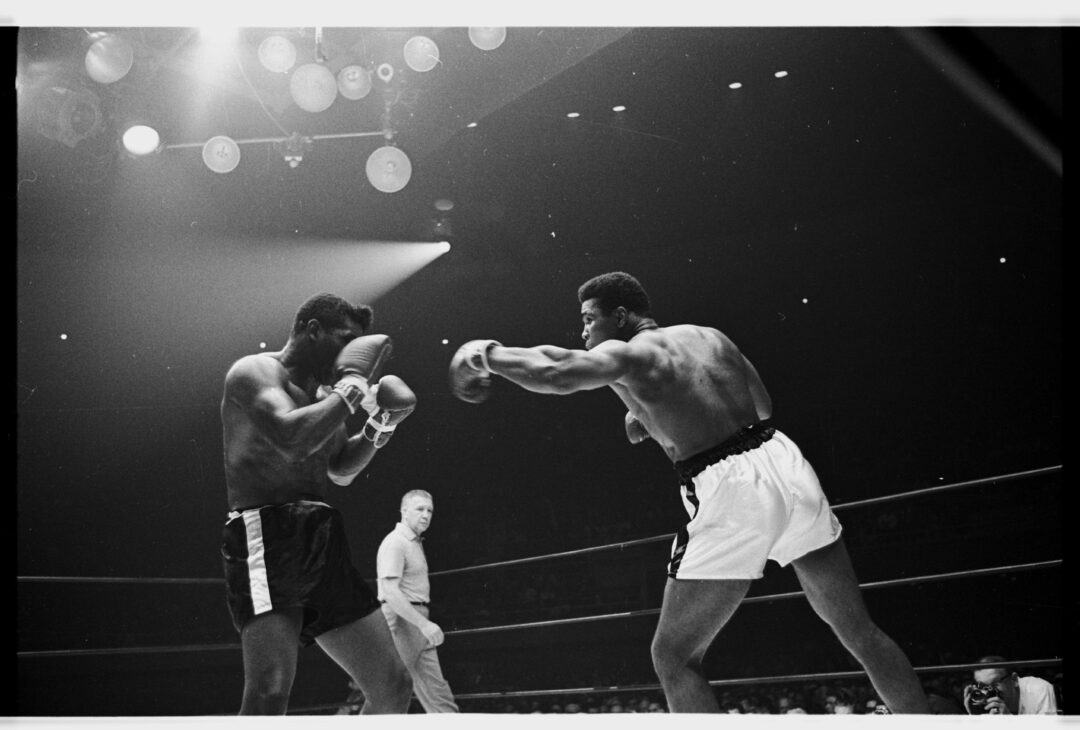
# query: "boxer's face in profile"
[[598, 326]]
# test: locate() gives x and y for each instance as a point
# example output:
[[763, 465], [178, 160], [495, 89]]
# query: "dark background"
[[883, 180]]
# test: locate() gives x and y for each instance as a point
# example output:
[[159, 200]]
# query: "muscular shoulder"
[[255, 368]]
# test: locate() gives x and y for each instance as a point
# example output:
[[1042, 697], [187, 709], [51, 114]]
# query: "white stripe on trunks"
[[256, 561]]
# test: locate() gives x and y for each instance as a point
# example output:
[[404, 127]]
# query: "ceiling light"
[[573, 115], [109, 59], [780, 74], [487, 39], [277, 54], [619, 108], [421, 53], [735, 85], [388, 169], [354, 82], [140, 139], [221, 154], [69, 115], [313, 87]]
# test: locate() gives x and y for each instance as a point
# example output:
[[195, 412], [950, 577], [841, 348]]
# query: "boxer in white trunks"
[[750, 494]]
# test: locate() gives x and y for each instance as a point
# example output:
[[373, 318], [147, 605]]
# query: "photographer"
[[999, 690]]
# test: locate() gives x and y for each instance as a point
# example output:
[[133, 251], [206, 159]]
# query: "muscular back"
[[692, 389], [258, 470]]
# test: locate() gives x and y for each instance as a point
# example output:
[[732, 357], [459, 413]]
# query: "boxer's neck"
[[645, 323]]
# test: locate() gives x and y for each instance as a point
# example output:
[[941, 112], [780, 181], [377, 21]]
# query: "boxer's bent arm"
[[398, 603], [549, 369], [351, 458], [296, 432]]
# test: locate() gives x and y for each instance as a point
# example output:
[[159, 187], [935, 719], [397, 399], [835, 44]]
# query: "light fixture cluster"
[[312, 86]]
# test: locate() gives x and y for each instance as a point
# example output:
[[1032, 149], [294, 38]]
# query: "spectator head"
[[1000, 679]]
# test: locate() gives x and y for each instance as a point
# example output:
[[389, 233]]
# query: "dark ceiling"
[[904, 182]]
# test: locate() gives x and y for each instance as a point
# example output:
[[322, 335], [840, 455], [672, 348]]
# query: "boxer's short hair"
[[616, 289], [332, 312]]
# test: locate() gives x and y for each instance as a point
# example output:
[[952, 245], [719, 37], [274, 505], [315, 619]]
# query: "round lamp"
[[140, 139], [388, 169], [277, 54], [421, 53], [487, 39], [354, 82], [109, 59], [313, 87], [221, 154]]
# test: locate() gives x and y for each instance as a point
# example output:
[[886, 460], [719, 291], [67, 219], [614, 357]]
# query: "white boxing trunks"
[[751, 499]]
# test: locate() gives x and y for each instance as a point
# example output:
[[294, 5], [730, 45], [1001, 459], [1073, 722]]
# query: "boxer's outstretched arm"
[[550, 369], [253, 384]]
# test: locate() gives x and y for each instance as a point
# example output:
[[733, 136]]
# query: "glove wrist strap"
[[381, 434], [483, 354], [352, 389]]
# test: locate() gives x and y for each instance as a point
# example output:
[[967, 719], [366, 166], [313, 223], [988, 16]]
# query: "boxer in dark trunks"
[[749, 493], [289, 577]]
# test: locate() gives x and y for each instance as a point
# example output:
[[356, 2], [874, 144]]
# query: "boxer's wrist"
[[480, 359], [352, 389]]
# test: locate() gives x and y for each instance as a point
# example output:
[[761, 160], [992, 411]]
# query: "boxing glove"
[[470, 376], [357, 365], [634, 430], [392, 404]]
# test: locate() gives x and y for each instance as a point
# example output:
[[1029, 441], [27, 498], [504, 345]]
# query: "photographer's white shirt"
[[1036, 697]]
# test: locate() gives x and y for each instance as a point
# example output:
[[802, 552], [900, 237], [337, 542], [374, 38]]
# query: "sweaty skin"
[[689, 386], [280, 439]]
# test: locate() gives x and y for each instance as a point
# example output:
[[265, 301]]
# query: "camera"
[[980, 693]]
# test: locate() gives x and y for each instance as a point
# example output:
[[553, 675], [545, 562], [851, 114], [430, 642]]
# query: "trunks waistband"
[[415, 603], [746, 438], [233, 514]]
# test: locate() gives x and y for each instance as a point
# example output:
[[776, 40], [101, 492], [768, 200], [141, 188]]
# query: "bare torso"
[[696, 390], [257, 473]]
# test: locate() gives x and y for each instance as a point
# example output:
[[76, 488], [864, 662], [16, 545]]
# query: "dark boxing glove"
[[634, 430], [470, 376], [392, 403], [358, 365]]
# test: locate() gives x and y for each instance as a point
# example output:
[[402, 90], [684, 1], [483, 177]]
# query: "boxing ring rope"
[[837, 507], [558, 622], [1003, 569], [768, 597], [581, 551]]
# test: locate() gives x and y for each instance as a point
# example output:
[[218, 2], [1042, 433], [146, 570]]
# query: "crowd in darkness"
[[945, 693]]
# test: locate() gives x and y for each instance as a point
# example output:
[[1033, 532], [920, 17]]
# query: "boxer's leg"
[[829, 581], [692, 613], [269, 643], [366, 651]]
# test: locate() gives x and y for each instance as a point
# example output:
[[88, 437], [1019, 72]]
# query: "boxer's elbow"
[[342, 479]]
